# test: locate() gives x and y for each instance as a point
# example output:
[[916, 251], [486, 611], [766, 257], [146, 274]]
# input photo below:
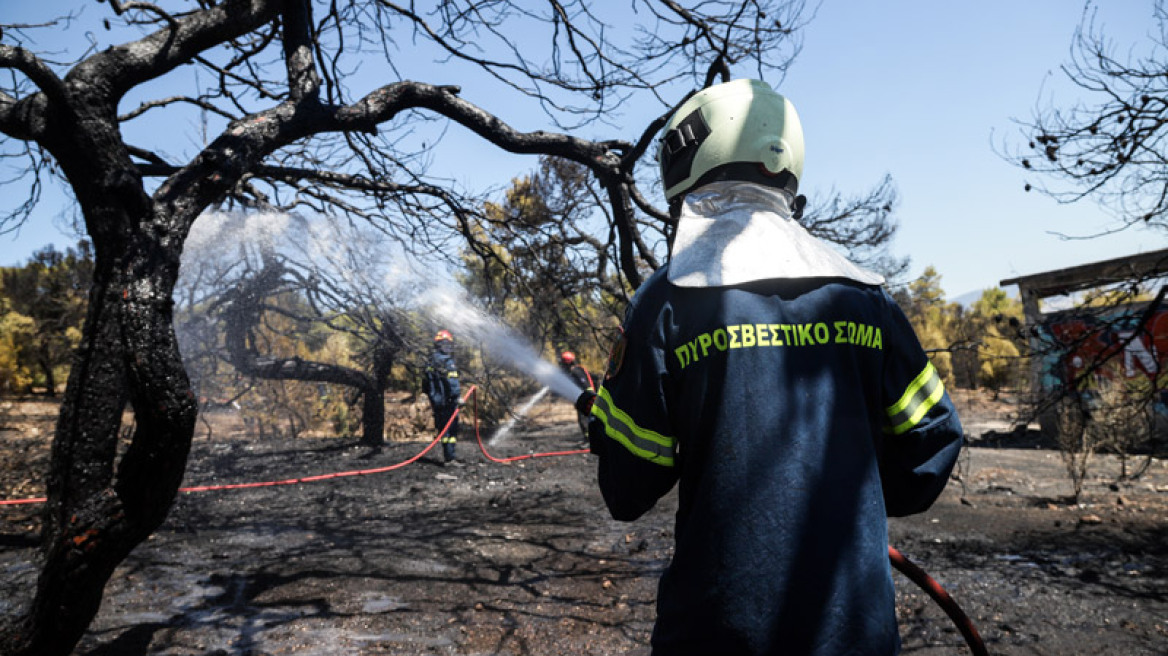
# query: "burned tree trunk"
[[373, 409], [96, 514], [94, 522], [99, 507], [45, 360]]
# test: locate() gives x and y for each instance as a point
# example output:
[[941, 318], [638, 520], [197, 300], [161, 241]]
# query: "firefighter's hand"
[[584, 402], [462, 403]]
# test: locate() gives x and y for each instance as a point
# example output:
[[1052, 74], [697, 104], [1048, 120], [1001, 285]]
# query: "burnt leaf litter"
[[522, 558]]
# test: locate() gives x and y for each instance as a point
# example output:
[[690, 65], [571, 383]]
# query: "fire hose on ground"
[[938, 594], [584, 403]]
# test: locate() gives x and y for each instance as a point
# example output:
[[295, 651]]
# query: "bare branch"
[[175, 45], [164, 102], [18, 117], [303, 81], [121, 8], [1112, 148]]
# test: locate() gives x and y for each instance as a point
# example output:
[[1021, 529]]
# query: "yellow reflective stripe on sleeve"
[[921, 395], [641, 442]]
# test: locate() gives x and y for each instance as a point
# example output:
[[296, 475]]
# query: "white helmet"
[[738, 130]]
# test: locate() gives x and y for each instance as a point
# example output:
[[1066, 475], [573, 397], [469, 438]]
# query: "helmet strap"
[[680, 145]]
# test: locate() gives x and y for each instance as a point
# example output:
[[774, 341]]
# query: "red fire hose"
[[488, 456], [934, 589], [899, 561]]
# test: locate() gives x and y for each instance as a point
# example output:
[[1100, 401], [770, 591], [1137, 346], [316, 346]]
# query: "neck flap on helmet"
[[732, 233]]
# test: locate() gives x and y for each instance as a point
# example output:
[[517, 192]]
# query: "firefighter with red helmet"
[[583, 380], [441, 386], [781, 389]]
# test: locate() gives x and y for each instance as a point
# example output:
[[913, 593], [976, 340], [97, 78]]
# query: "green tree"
[[933, 319], [544, 272], [997, 320], [50, 290], [16, 336]]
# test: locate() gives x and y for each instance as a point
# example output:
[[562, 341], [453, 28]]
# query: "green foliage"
[[332, 403], [932, 318], [997, 319], [16, 336], [42, 309], [981, 346], [536, 268]]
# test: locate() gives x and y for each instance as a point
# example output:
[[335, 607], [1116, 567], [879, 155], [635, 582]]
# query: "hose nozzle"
[[584, 402]]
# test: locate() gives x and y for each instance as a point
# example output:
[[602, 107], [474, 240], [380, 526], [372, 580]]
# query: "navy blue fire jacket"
[[794, 415], [441, 381]]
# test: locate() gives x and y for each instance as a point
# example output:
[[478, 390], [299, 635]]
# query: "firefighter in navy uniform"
[[442, 388], [579, 375], [783, 391]]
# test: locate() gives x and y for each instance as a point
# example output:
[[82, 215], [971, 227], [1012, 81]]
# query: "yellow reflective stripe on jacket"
[[920, 397], [641, 442]]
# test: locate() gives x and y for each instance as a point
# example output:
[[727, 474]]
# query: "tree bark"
[[98, 507], [94, 517], [372, 417], [46, 362]]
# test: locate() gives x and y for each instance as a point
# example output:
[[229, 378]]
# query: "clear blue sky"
[[921, 90], [917, 89]]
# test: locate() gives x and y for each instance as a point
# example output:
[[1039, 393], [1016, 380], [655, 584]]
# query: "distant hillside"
[[1049, 304], [969, 298]]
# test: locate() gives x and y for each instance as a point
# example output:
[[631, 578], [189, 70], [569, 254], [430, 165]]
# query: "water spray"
[[505, 429], [451, 307], [372, 270]]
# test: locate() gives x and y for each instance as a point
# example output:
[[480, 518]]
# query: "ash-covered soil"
[[522, 558]]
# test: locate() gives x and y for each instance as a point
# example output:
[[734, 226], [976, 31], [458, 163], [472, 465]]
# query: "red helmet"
[[567, 357], [443, 336]]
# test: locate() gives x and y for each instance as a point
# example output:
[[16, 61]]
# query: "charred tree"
[[128, 352], [242, 311]]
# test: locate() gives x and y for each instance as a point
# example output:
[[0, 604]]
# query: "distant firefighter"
[[442, 388], [583, 380]]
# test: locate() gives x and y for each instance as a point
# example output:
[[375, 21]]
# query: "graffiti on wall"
[[1088, 349]]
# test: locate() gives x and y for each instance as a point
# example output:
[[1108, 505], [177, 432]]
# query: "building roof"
[[1095, 274]]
